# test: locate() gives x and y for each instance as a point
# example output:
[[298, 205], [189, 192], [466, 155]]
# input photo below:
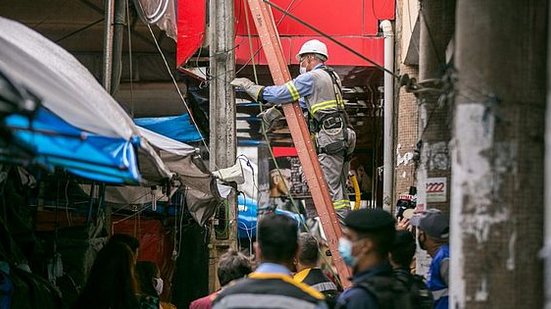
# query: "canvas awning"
[[76, 114]]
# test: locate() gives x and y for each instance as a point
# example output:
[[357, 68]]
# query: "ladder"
[[269, 37]]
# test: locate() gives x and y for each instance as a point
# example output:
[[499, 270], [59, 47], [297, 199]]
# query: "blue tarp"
[[178, 128], [56, 143], [247, 217]]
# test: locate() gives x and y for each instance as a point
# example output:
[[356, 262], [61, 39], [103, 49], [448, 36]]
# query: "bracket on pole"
[[265, 25]]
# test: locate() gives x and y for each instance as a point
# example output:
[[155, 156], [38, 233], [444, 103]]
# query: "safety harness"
[[329, 121]]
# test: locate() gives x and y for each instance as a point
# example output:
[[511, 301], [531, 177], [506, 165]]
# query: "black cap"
[[365, 220]]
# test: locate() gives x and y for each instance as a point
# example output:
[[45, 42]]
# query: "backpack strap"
[[390, 293]]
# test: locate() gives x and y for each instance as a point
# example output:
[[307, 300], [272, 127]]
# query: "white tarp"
[[69, 90]]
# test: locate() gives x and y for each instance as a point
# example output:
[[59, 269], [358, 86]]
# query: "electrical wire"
[[178, 89], [131, 73], [67, 204], [288, 9], [325, 35]]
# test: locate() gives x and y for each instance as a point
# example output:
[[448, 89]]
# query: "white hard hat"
[[313, 47]]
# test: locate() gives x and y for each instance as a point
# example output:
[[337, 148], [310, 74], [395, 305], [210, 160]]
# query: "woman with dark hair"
[[150, 281], [111, 283]]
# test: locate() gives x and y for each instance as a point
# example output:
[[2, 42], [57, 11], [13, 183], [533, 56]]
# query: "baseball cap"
[[432, 222]]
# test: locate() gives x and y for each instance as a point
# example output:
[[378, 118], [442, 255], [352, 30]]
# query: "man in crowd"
[[309, 272], [233, 265], [271, 285], [401, 256], [433, 235], [368, 236]]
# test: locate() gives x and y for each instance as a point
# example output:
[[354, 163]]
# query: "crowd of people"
[[289, 273], [379, 252]]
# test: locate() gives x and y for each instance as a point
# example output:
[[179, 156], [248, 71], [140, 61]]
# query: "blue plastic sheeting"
[[56, 143], [247, 217], [178, 128]]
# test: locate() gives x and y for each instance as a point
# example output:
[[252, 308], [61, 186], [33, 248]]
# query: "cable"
[[130, 60], [178, 89], [67, 203], [79, 30], [260, 48], [300, 21]]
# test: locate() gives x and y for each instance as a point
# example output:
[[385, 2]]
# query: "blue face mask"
[[345, 250]]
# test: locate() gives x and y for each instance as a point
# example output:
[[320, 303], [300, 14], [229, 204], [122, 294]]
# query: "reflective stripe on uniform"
[[325, 286], [293, 91], [263, 300], [304, 287], [302, 274], [341, 204], [323, 105], [439, 294]]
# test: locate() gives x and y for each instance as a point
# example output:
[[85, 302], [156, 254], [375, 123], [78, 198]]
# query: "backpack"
[[389, 292], [421, 296]]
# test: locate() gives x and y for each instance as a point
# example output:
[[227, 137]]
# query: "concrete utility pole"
[[437, 18], [546, 253], [222, 115], [498, 154]]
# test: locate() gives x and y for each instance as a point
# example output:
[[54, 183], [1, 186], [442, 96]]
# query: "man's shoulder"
[[261, 290], [272, 284], [356, 297], [203, 302]]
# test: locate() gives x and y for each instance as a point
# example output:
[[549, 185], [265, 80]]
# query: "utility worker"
[[321, 92]]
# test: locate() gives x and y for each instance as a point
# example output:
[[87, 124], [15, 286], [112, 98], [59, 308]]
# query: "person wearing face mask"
[[150, 282], [320, 92], [433, 236], [368, 236]]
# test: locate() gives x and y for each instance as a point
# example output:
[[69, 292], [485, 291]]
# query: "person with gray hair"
[[308, 270], [233, 265]]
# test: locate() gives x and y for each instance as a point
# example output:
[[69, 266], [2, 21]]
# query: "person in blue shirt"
[[319, 90], [433, 236], [271, 284]]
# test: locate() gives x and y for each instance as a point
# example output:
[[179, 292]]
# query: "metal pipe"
[[108, 44], [388, 169], [546, 252], [118, 34]]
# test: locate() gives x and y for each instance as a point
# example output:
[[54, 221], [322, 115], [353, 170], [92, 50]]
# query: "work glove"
[[250, 88], [270, 116]]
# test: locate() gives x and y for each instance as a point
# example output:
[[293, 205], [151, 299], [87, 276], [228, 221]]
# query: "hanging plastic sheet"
[[178, 128], [74, 100], [57, 143]]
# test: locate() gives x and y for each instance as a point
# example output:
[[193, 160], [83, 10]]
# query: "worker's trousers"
[[335, 165]]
